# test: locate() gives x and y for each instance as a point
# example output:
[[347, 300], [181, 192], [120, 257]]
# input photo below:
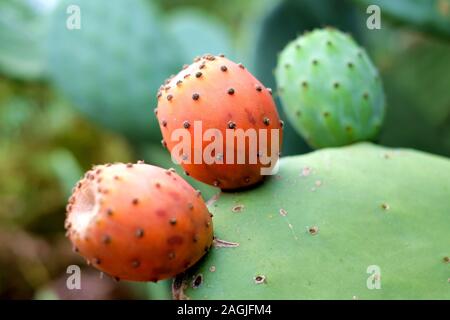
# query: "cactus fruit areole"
[[330, 90], [334, 216], [138, 222], [218, 94]]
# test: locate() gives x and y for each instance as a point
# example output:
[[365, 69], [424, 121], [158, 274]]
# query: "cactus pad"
[[112, 66], [312, 231]]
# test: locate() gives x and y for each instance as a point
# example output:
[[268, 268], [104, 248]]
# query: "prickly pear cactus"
[[331, 225], [215, 85], [431, 16], [282, 24], [112, 66], [158, 156], [330, 89], [115, 224]]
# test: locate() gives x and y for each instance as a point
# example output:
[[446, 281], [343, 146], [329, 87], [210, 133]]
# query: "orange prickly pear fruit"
[[138, 222], [221, 96]]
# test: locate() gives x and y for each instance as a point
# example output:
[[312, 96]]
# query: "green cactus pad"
[[330, 90], [23, 26], [313, 230], [197, 33], [112, 67]]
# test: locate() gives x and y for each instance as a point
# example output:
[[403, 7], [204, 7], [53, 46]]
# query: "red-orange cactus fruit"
[[138, 222], [216, 93]]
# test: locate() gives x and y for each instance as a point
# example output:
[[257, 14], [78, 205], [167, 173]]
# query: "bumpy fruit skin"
[[281, 24], [138, 222], [330, 90], [221, 95]]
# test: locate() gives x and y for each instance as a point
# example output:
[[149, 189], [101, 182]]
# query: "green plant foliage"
[[23, 28], [198, 33], [416, 81], [112, 66], [159, 290], [330, 89], [284, 22], [312, 231]]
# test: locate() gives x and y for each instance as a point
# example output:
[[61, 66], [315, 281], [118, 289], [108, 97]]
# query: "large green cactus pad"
[[112, 66], [198, 33], [23, 26], [312, 231]]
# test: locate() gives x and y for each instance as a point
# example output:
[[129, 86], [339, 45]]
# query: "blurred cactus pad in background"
[[73, 97], [114, 49]]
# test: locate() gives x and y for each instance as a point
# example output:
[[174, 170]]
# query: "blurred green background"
[[71, 98]]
